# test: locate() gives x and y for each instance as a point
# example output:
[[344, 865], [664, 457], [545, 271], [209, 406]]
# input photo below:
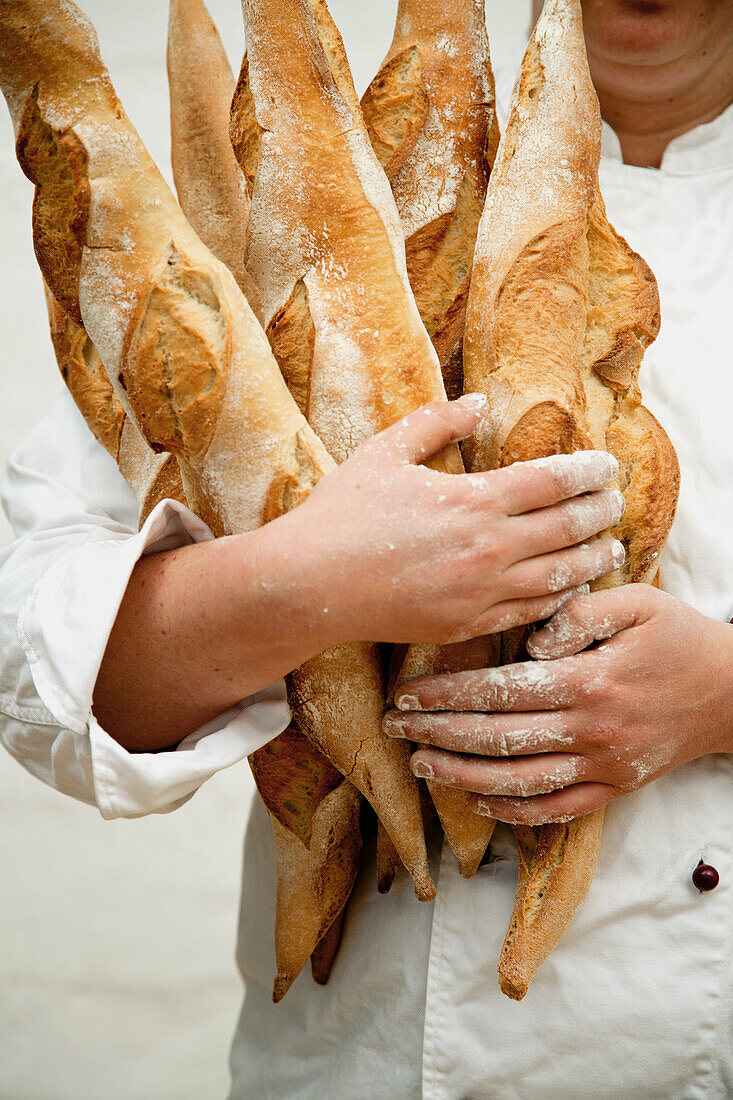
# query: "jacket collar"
[[705, 149]]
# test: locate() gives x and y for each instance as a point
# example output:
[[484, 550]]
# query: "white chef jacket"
[[637, 998]]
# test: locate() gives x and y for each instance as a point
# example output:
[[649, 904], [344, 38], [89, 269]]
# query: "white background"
[[117, 979]]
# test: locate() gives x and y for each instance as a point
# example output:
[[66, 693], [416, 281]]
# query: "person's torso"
[[636, 999]]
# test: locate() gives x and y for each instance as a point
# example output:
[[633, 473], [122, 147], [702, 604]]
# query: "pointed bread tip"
[[281, 986]]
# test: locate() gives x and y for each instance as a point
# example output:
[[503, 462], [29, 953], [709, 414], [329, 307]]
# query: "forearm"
[[199, 629]]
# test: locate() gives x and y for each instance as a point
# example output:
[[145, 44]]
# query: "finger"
[[568, 523], [527, 686], [511, 613], [589, 619], [484, 734], [426, 431], [565, 568], [524, 778], [560, 806], [541, 482]]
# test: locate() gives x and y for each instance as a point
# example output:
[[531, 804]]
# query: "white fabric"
[[62, 583], [636, 1000]]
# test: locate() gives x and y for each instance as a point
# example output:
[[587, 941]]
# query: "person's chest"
[[681, 224]]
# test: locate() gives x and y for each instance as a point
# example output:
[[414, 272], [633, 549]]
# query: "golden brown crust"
[[315, 816], [85, 376], [342, 238], [560, 312], [151, 477], [244, 131], [431, 117], [292, 337], [211, 187], [388, 860], [323, 957], [556, 866]]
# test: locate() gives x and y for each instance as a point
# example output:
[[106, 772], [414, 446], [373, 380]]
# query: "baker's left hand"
[[549, 740]]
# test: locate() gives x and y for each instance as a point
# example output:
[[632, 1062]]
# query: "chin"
[[651, 32]]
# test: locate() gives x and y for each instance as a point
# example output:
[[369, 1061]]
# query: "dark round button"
[[705, 877]]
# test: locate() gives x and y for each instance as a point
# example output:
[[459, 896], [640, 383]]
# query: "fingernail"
[[613, 462], [393, 725], [618, 552], [621, 499], [474, 400], [422, 770], [406, 702]]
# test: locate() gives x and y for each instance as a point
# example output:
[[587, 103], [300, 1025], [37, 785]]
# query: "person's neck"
[[649, 106], [659, 70]]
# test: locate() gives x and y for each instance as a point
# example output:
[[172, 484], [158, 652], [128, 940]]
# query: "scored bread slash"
[[431, 116], [560, 313], [152, 477], [326, 251], [185, 354], [214, 194]]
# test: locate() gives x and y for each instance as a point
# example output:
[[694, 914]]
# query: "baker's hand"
[[397, 552], [549, 740]]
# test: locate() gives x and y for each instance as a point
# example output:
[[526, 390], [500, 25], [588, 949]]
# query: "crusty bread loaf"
[[152, 477], [186, 356], [560, 312], [328, 257], [214, 195], [432, 122], [211, 187], [327, 254], [315, 815], [431, 118]]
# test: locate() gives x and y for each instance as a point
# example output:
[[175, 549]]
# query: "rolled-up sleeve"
[[61, 585]]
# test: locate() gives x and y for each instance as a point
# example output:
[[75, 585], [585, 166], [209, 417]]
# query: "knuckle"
[[568, 526]]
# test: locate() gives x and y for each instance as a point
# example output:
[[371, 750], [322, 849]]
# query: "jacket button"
[[705, 877]]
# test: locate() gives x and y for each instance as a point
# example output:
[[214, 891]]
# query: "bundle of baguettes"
[[560, 313], [187, 359], [431, 121]]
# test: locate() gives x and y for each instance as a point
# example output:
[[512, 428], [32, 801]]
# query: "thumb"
[[421, 434]]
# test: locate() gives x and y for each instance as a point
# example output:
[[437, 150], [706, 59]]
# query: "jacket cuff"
[[133, 784], [63, 629], [66, 621]]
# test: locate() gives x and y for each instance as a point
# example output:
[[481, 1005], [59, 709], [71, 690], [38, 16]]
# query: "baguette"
[[315, 816], [430, 112], [328, 262], [432, 121], [214, 195], [152, 477], [186, 357], [560, 313], [211, 187]]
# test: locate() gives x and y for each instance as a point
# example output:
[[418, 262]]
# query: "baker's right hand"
[[393, 551]]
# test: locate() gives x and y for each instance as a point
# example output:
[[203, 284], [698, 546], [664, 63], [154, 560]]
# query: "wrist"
[[294, 589], [721, 672]]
